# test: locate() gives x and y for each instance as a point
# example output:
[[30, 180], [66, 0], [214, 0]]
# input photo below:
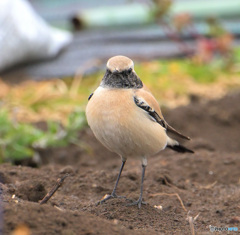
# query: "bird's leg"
[[118, 178], [113, 194], [139, 202]]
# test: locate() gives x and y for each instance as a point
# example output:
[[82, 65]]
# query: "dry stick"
[[54, 189], [191, 221], [170, 194], [171, 185], [208, 186]]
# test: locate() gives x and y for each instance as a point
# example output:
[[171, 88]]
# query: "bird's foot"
[[107, 197], [139, 203]]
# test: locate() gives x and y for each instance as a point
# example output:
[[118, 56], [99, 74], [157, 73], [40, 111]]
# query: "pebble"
[[67, 170]]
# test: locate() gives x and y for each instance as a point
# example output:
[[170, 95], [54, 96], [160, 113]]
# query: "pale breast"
[[121, 126]]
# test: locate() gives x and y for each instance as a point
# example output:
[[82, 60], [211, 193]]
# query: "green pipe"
[[139, 14], [214, 8], [131, 14]]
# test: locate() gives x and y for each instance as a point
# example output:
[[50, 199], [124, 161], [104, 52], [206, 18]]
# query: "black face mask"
[[126, 79]]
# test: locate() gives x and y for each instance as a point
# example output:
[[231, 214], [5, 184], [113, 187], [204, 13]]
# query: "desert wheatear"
[[126, 118]]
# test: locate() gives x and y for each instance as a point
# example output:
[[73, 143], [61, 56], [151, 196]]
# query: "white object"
[[25, 36]]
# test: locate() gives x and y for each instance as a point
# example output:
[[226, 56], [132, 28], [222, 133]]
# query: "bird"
[[126, 118]]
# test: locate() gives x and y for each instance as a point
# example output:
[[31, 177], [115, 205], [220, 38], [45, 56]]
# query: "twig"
[[171, 185], [191, 221], [208, 186], [170, 194], [54, 189]]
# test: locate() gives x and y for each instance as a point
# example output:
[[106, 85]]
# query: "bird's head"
[[120, 74]]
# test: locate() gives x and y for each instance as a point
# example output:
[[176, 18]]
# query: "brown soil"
[[208, 182]]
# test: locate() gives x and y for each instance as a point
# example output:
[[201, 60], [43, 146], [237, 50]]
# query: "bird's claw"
[[107, 197], [139, 202]]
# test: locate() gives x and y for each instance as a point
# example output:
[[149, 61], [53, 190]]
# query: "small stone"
[[159, 207], [115, 221], [219, 212], [188, 204], [67, 170], [235, 220], [130, 227]]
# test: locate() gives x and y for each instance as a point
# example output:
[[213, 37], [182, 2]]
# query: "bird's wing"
[[174, 131], [141, 103], [146, 101]]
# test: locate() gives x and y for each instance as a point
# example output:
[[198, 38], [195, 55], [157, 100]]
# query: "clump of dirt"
[[206, 182]]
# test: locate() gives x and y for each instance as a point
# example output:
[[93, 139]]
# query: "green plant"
[[19, 141]]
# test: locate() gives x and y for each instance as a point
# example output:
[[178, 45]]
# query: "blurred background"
[[53, 55]]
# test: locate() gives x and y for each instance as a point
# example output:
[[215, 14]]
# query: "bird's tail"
[[174, 145]]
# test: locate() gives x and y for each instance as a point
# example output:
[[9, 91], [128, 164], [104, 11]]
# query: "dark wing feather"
[[180, 148], [90, 97], [143, 105], [172, 130]]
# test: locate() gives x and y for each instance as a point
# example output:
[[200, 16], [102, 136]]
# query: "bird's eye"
[[130, 70]]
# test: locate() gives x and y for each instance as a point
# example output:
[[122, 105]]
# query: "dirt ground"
[[207, 182]]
